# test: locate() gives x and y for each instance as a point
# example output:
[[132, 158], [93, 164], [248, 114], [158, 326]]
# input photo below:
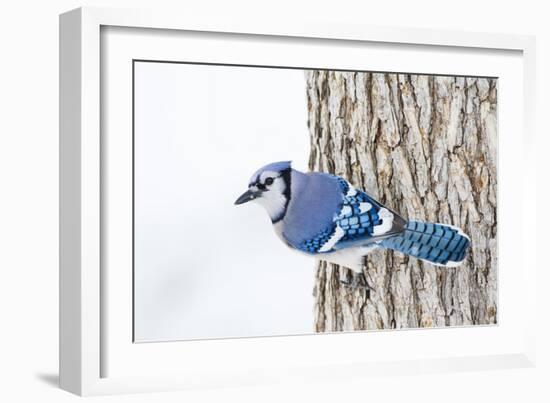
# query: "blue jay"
[[324, 216]]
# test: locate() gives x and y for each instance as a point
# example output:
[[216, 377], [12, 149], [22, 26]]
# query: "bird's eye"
[[269, 181]]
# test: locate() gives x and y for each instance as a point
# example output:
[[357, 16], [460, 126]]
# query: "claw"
[[358, 280]]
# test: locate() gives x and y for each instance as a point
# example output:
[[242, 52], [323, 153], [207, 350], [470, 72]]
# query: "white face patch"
[[272, 198]]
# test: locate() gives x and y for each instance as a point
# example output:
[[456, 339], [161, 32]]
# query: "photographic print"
[[279, 201]]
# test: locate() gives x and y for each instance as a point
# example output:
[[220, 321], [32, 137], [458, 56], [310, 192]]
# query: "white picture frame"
[[87, 349]]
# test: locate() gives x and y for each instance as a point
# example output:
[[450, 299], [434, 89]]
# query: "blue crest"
[[274, 166]]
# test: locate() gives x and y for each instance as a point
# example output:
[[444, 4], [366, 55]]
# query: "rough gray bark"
[[426, 146]]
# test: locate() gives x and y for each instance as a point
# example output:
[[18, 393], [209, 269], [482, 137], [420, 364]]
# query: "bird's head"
[[270, 187]]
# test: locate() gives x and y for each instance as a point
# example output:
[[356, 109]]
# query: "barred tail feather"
[[439, 244]]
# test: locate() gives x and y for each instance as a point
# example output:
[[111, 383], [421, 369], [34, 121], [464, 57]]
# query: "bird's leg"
[[346, 278], [358, 281]]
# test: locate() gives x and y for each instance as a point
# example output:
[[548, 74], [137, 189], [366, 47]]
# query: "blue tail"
[[438, 244]]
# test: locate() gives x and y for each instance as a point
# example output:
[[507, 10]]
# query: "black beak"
[[247, 196]]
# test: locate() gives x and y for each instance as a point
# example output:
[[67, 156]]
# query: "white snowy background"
[[205, 268]]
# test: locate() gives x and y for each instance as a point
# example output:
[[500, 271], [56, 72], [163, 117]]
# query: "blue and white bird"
[[324, 216]]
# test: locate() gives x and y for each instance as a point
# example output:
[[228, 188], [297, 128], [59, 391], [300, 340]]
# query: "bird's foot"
[[358, 281]]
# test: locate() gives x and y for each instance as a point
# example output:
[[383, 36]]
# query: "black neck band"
[[286, 178]]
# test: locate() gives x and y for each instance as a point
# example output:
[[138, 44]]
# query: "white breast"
[[352, 258]]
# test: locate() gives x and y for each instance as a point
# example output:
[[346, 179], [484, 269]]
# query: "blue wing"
[[360, 221]]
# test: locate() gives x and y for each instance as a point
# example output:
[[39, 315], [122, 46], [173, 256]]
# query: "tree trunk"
[[425, 146]]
